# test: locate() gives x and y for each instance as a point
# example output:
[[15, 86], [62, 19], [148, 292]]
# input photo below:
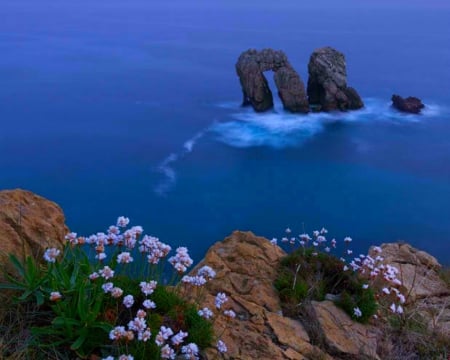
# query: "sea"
[[133, 108]]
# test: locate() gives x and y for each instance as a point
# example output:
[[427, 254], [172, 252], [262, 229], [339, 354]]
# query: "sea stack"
[[327, 83], [250, 68]]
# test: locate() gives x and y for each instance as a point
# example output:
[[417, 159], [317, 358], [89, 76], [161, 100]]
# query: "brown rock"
[[256, 92], [29, 224], [327, 82], [342, 335], [246, 269], [410, 104], [426, 293], [418, 270]]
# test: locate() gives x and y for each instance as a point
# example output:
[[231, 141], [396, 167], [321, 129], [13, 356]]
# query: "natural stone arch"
[[250, 68]]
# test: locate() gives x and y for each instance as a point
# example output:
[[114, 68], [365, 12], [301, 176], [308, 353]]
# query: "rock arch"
[[250, 68]]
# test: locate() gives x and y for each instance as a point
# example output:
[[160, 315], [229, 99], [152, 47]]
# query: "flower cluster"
[[137, 306], [380, 277]]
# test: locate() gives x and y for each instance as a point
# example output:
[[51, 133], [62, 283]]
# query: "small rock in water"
[[410, 104]]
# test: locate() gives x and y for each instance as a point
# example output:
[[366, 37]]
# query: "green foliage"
[[80, 320], [308, 275], [200, 329], [30, 282]]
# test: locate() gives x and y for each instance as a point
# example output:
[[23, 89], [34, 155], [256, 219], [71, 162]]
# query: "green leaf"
[[39, 297], [80, 341], [61, 321], [17, 264], [12, 286]]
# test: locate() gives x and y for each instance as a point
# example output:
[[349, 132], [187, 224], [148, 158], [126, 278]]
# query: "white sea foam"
[[166, 167], [280, 129]]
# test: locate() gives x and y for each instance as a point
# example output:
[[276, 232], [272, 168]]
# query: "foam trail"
[[166, 167]]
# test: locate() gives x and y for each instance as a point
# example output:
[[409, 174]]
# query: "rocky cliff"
[[246, 270]]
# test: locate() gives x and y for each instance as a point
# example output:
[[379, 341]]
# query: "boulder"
[[426, 292], [250, 68], [327, 82], [344, 337], [246, 269], [29, 224], [410, 104]]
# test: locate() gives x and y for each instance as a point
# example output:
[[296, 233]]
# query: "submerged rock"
[[410, 104], [327, 83], [256, 92]]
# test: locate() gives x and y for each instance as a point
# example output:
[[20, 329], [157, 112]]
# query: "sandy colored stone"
[[343, 335], [29, 224], [246, 269], [418, 271]]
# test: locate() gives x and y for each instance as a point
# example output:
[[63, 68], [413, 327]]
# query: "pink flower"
[[55, 296]]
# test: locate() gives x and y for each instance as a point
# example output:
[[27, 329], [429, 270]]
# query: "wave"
[[166, 169], [279, 129]]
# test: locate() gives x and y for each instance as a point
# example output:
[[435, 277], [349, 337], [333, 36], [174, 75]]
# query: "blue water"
[[132, 108]]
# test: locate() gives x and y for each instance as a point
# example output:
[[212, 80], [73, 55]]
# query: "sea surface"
[[132, 108]]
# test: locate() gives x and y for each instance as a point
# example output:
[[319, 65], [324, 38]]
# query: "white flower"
[[197, 280], [101, 256], [94, 276], [55, 296], [190, 351], [288, 230], [124, 258], [323, 231], [106, 272], [122, 221], [393, 308], [145, 336], [107, 287], [316, 233], [117, 333], [206, 313], [386, 291], [163, 334], [357, 312], [207, 272], [221, 347], [148, 287], [116, 292], [137, 324], [126, 357], [365, 286], [178, 338], [148, 304], [348, 239], [274, 241], [230, 313], [399, 309], [51, 254], [401, 297], [221, 298], [128, 301], [167, 352]]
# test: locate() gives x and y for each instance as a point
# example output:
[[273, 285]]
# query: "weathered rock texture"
[[327, 83], [426, 291], [410, 104], [29, 224], [250, 68], [246, 269]]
